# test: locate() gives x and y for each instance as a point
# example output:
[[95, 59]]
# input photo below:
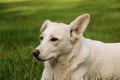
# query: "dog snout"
[[36, 53]]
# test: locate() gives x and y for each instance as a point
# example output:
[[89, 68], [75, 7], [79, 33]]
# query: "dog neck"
[[73, 59]]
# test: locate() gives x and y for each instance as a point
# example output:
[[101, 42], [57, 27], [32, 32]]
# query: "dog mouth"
[[40, 59]]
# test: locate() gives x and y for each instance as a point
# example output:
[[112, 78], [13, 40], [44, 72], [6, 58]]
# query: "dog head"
[[57, 39]]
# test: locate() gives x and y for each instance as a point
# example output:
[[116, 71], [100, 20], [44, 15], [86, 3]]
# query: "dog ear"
[[44, 25], [78, 26]]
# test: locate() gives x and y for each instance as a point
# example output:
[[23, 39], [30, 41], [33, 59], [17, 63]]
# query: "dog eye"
[[41, 38], [53, 39]]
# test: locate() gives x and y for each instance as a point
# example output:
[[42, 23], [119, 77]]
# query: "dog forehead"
[[60, 26], [56, 28]]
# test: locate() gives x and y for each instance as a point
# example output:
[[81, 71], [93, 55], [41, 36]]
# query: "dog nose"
[[36, 53]]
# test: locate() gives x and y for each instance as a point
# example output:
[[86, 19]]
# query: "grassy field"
[[20, 21]]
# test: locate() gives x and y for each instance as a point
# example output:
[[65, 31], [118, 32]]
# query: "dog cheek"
[[65, 46], [55, 44]]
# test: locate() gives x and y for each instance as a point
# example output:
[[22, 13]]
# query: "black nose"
[[36, 53]]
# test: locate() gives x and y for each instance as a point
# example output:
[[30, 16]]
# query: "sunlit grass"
[[9, 1]]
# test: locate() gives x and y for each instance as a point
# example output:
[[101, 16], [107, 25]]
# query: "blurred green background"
[[20, 21]]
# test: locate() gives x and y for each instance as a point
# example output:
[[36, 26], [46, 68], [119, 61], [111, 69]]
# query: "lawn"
[[20, 21]]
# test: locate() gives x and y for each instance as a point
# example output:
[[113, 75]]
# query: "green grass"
[[20, 21]]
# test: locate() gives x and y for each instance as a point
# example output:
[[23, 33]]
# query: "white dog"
[[67, 55]]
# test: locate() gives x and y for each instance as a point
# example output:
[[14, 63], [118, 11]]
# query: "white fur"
[[73, 57]]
